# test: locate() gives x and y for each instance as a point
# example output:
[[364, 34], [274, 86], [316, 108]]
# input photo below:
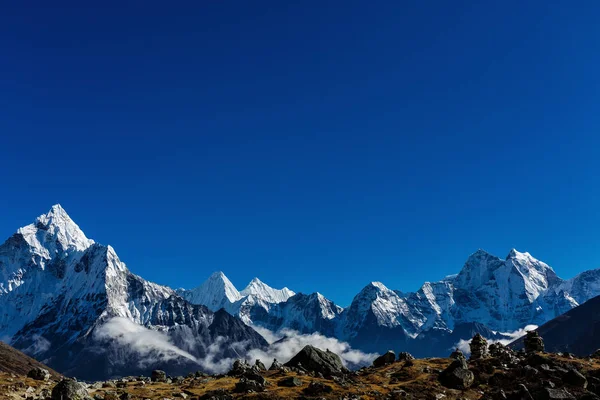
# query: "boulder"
[[248, 385], [574, 378], [405, 356], [533, 342], [260, 365], [479, 347], [276, 365], [385, 359], [554, 394], [457, 355], [39, 374], [457, 375], [290, 381], [316, 360], [158, 376], [218, 394], [317, 388], [239, 368], [69, 389]]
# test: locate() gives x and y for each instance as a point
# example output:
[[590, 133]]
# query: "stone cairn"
[[533, 342], [479, 347]]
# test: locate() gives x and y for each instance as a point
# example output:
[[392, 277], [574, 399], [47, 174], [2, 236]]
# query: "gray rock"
[[158, 376], [385, 359], [276, 365], [457, 375], [239, 367], [218, 394], [248, 385], [574, 378], [405, 356], [260, 365], [457, 355], [69, 389], [316, 360], [317, 388], [479, 347], [533, 342], [39, 374], [555, 394], [290, 381]]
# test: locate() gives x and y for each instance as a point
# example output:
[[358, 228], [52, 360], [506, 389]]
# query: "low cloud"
[[283, 345], [40, 345], [287, 343], [152, 346], [464, 344]]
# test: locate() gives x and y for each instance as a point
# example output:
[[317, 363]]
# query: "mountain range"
[[489, 295], [73, 304]]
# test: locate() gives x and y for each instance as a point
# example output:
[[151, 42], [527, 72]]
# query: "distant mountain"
[[577, 331], [71, 302], [489, 295]]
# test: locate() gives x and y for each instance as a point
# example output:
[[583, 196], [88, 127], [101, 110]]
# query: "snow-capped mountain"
[[72, 303], [264, 292], [215, 293], [489, 294]]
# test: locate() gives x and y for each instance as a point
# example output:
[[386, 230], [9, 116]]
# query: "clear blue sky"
[[319, 145]]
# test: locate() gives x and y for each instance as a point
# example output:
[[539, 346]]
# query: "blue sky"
[[315, 145]]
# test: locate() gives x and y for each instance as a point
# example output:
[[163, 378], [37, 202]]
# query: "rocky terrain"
[[492, 371]]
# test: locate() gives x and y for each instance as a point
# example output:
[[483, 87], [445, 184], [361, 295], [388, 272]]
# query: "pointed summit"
[[215, 293], [57, 230], [266, 293]]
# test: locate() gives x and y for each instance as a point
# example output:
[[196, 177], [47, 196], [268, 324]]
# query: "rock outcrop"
[[385, 359], [316, 360]]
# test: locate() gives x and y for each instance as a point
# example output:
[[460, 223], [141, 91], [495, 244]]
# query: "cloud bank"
[[152, 346]]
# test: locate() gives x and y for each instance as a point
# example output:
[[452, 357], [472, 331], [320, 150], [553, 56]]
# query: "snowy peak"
[[55, 231], [264, 292], [389, 309], [215, 293]]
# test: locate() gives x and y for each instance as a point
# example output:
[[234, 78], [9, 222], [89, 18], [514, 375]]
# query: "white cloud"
[[150, 345], [464, 344], [39, 345]]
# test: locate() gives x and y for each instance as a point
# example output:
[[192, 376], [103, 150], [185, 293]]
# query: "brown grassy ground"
[[13, 361], [419, 380]]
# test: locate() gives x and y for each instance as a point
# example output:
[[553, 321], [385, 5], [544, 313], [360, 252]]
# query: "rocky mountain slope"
[[12, 361], [71, 302]]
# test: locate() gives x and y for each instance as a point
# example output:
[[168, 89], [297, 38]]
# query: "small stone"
[[290, 381]]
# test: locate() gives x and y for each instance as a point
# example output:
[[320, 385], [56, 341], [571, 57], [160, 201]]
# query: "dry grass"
[[418, 379]]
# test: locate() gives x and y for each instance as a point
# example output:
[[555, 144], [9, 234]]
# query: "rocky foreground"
[[491, 372]]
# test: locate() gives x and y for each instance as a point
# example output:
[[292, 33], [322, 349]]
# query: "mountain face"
[[71, 302], [489, 295], [577, 331]]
